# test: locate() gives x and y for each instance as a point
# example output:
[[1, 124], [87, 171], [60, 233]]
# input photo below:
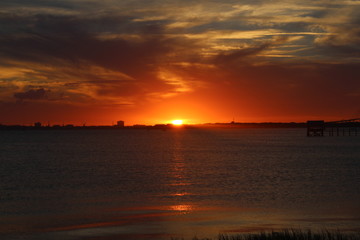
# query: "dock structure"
[[315, 128], [349, 127]]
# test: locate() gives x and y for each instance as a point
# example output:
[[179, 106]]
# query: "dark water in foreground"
[[140, 184]]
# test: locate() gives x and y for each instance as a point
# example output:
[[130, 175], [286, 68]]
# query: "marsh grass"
[[287, 234]]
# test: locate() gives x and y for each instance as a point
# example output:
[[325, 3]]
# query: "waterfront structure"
[[120, 123], [349, 127], [315, 128]]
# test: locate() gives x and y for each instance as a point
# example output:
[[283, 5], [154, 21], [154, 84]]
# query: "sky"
[[146, 62]]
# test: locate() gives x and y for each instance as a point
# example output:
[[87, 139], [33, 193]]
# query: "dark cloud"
[[345, 43], [78, 52], [51, 39], [59, 6], [230, 58], [237, 55], [37, 3], [32, 94]]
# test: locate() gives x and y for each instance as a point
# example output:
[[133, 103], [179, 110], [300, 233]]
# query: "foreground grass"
[[288, 234]]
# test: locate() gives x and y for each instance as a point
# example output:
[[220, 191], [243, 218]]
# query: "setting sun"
[[177, 122]]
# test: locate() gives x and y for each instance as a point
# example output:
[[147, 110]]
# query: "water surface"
[[154, 184]]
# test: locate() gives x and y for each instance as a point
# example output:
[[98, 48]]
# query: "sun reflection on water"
[[178, 168], [183, 208], [179, 184], [180, 194]]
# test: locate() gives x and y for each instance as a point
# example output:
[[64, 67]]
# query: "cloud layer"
[[255, 60]]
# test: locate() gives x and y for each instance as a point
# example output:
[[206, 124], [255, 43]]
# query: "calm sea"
[[180, 183]]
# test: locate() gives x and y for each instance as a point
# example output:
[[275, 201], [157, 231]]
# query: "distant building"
[[37, 124], [120, 123]]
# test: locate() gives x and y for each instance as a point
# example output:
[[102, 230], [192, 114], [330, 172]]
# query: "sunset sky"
[[147, 62]]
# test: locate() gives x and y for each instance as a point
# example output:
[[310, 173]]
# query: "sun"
[[177, 122]]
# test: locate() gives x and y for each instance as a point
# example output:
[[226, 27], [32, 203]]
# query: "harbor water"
[[178, 183]]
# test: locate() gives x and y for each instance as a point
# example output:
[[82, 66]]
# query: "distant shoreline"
[[160, 126], [232, 125]]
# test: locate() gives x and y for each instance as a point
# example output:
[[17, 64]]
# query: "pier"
[[320, 128]]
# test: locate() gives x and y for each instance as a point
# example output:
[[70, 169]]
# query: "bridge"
[[346, 127]]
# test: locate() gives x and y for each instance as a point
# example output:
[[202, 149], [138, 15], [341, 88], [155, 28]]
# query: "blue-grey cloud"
[[32, 94]]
